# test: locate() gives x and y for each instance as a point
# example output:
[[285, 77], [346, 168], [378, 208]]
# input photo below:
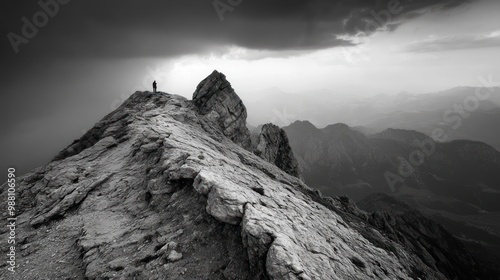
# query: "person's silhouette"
[[154, 86]]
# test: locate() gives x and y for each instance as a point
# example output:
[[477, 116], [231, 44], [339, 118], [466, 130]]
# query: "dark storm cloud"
[[170, 28]]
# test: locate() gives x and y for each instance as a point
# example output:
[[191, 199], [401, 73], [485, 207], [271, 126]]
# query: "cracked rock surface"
[[156, 190]]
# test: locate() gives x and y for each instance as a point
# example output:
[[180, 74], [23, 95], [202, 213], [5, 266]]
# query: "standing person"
[[154, 86]]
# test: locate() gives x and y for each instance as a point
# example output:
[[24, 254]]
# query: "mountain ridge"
[[455, 182], [160, 188]]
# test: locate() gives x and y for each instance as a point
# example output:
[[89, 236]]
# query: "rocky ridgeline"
[[217, 101], [162, 189]]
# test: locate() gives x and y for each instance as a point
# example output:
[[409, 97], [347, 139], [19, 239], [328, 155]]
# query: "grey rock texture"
[[272, 145], [216, 100], [158, 191]]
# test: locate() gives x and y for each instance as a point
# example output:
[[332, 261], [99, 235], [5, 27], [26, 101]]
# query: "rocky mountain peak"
[[273, 146], [338, 128], [303, 125], [215, 79], [156, 191], [215, 99]]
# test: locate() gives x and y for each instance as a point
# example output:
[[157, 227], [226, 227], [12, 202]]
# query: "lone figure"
[[154, 86]]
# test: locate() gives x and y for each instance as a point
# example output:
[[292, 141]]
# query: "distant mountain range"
[[458, 111], [341, 160], [456, 183]]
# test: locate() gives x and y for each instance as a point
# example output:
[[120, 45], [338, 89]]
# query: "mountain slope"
[[455, 183], [342, 161], [157, 190], [435, 245]]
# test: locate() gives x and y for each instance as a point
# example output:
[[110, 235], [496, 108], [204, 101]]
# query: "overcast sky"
[[85, 57]]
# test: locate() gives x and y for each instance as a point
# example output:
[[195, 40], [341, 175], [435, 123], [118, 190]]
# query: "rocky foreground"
[[168, 188]]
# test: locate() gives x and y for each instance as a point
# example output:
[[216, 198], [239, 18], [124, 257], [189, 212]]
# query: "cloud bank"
[[177, 27]]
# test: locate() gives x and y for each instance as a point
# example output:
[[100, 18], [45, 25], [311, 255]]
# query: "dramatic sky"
[[81, 59]]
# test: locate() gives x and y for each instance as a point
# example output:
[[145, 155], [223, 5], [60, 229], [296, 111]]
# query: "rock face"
[[157, 190], [272, 145], [215, 98]]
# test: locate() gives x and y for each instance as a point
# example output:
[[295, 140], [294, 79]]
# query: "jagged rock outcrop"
[[158, 191], [272, 145], [215, 98]]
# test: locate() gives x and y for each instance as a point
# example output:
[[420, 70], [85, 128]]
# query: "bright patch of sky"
[[436, 51]]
